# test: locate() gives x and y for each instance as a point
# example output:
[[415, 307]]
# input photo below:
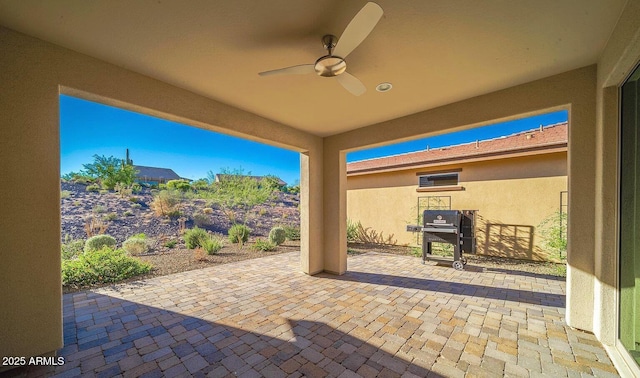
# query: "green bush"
[[195, 237], [553, 232], [277, 235], [136, 206], [65, 194], [292, 232], [239, 233], [71, 248], [170, 243], [101, 266], [128, 213], [135, 245], [134, 199], [98, 209], [263, 245], [93, 188], [97, 242], [111, 216], [136, 188], [213, 244], [352, 230], [182, 185]]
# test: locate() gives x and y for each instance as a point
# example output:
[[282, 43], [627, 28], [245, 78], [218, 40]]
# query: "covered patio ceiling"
[[433, 52]]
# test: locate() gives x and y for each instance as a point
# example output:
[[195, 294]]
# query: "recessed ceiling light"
[[384, 87]]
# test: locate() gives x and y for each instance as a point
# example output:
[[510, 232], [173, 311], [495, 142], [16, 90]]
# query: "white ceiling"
[[433, 51]]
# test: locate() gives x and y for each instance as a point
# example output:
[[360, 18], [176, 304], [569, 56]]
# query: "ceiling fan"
[[333, 64]]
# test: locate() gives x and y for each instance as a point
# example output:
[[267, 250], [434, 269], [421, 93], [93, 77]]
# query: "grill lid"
[[450, 218]]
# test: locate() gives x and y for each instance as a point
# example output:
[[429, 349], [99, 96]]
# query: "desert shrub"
[[135, 245], [71, 248], [236, 193], [352, 230], [181, 185], [111, 216], [136, 206], [239, 233], [162, 186], [195, 237], [174, 214], [99, 209], [136, 188], [94, 226], [263, 245], [101, 266], [356, 232], [277, 235], [166, 202], [92, 188], [97, 242], [553, 232], [128, 213], [65, 194], [103, 191], [292, 232], [200, 184], [207, 210], [171, 243], [294, 189], [200, 254], [77, 203], [201, 219], [262, 211], [134, 199], [123, 190], [213, 244]]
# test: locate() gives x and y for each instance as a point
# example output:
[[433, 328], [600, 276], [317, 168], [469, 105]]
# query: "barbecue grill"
[[451, 227]]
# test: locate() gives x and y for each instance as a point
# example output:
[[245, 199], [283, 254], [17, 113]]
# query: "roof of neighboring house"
[[154, 172], [220, 176], [548, 139]]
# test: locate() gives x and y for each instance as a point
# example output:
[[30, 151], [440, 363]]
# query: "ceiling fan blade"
[[351, 83], [293, 70], [358, 29]]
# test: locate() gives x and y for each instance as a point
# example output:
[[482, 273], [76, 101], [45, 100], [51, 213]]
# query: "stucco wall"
[[512, 197], [33, 75]]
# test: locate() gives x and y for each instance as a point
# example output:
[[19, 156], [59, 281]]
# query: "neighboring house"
[[154, 175], [513, 182], [219, 177]]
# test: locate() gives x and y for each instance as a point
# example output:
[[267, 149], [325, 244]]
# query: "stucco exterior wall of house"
[[512, 196]]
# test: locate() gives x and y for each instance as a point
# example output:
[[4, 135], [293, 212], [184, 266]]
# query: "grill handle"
[[441, 230]]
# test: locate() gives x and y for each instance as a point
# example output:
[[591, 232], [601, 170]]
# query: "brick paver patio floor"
[[389, 316]]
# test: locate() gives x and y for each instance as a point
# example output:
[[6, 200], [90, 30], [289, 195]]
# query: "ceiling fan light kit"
[[333, 64]]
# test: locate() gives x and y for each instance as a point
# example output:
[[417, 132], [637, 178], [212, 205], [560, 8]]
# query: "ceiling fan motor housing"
[[329, 66]]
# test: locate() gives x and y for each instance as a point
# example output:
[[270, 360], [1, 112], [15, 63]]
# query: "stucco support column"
[[582, 183], [335, 209], [311, 208]]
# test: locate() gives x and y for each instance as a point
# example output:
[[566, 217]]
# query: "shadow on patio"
[[458, 288], [106, 336]]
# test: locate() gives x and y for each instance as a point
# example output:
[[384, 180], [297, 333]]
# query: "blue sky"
[[88, 128]]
